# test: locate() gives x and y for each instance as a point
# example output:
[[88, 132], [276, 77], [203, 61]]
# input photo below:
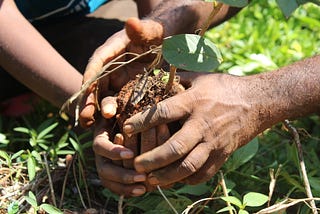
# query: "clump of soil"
[[142, 93]]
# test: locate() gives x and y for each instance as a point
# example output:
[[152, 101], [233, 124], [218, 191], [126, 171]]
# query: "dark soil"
[[142, 93]]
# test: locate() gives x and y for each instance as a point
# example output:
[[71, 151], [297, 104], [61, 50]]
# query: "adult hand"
[[219, 115], [137, 37], [114, 160]]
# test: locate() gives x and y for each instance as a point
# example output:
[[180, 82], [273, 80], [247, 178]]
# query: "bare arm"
[[29, 58]]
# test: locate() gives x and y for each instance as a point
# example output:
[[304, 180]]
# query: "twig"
[[273, 177], [186, 211], [50, 180], [85, 183], [207, 201], [165, 198], [296, 139], [225, 192], [284, 205], [120, 203], [77, 185], [65, 182]]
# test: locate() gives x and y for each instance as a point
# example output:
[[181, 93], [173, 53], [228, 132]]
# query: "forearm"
[[188, 16], [288, 93], [28, 57]]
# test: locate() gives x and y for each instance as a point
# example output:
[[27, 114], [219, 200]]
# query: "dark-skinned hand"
[[219, 116]]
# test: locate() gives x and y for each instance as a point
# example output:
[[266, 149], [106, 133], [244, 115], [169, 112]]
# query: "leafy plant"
[[251, 199], [32, 200]]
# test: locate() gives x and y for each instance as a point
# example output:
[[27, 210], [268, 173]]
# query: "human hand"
[[220, 115], [114, 161], [137, 37]]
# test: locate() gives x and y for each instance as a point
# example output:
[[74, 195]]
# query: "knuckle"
[[178, 148], [162, 111], [188, 166]]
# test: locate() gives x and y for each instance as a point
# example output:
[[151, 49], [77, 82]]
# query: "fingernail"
[[139, 178], [109, 110], [138, 191], [126, 154], [128, 129], [153, 180]]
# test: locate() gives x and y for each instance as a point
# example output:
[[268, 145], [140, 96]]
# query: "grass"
[[258, 39]]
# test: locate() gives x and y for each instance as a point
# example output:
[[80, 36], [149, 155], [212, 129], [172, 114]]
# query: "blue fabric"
[[43, 9]]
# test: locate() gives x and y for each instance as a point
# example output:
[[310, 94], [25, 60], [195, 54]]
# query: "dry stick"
[[207, 201], [296, 139], [120, 203], [77, 185], [225, 192], [85, 183], [50, 180], [65, 182], [273, 177]]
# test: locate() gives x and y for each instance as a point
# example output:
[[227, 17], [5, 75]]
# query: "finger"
[[112, 48], [148, 140], [163, 134], [109, 171], [215, 161], [119, 180], [118, 140], [179, 145], [144, 32], [109, 107], [180, 169], [132, 144], [88, 108], [171, 109], [104, 147]]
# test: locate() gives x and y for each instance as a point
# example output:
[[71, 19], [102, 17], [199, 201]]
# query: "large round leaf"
[[191, 52], [233, 3]]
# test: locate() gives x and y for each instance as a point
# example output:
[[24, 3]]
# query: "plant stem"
[[172, 75], [215, 10], [296, 140]]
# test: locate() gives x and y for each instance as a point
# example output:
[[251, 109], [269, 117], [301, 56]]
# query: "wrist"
[[288, 93]]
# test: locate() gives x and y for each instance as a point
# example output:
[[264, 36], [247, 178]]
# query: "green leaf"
[[47, 130], [197, 190], [243, 155], [191, 52], [13, 208], [235, 3], [254, 199], [31, 165], [3, 139], [63, 141], [32, 200], [287, 6], [226, 209], [232, 200], [22, 130], [50, 209], [36, 155], [243, 212], [17, 154], [6, 157]]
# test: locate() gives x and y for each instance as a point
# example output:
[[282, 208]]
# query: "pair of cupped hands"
[[212, 114]]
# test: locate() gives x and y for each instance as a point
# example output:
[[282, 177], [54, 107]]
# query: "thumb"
[[144, 31], [171, 109]]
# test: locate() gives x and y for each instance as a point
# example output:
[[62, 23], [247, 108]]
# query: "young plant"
[[251, 199], [32, 200]]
